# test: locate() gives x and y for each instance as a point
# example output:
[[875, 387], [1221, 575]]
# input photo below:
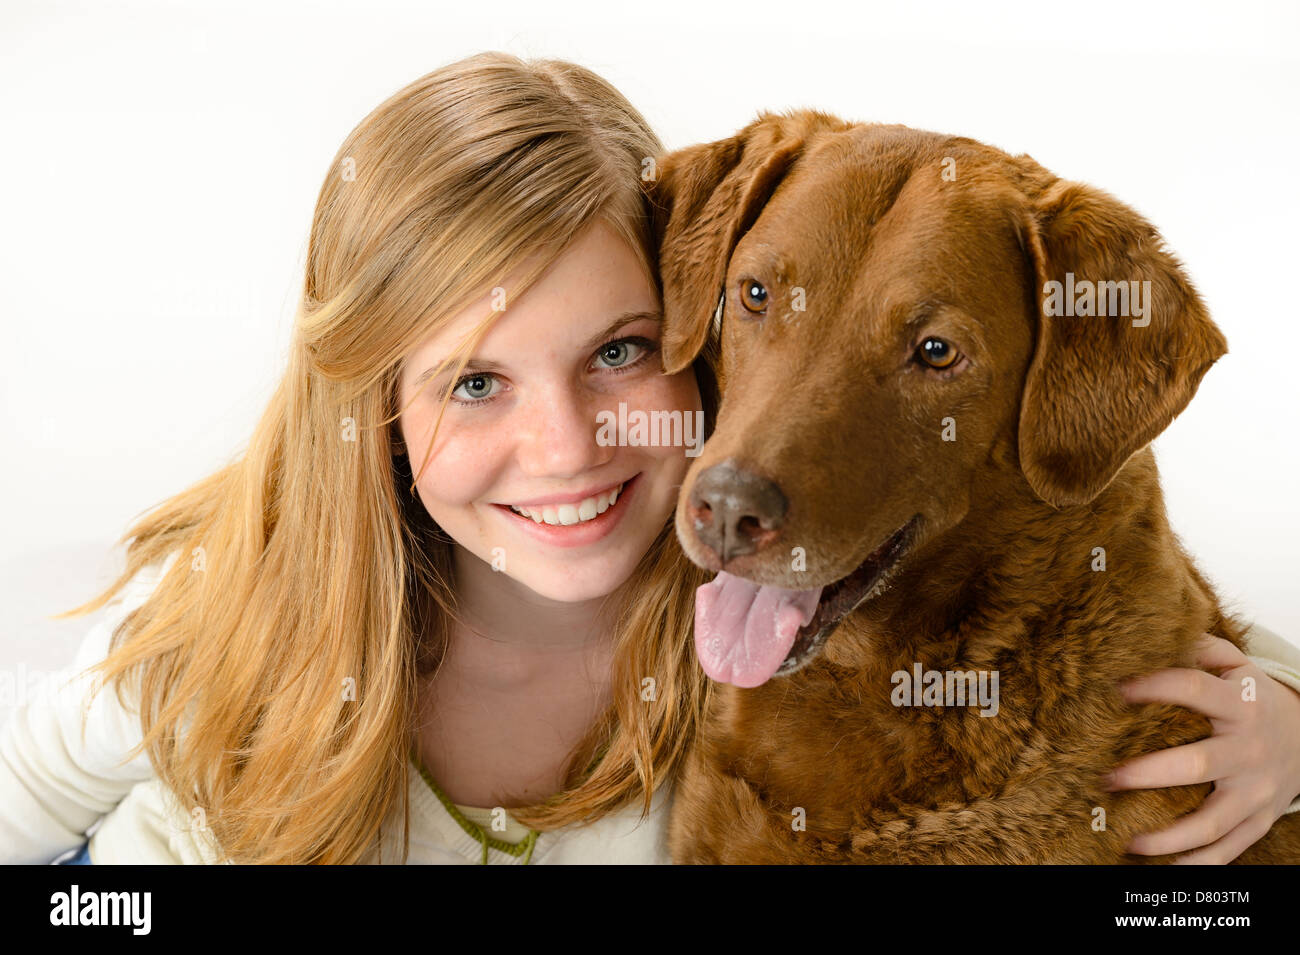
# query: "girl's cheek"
[[680, 395], [663, 393], [687, 390], [464, 463]]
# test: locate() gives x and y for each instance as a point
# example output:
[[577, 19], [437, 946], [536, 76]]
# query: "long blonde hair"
[[308, 566]]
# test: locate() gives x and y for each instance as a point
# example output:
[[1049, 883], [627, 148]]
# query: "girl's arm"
[[55, 784], [1252, 755], [1275, 655]]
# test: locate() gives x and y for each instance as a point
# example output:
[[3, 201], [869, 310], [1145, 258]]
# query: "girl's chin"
[[570, 585]]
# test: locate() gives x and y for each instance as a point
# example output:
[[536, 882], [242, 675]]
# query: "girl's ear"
[[704, 198]]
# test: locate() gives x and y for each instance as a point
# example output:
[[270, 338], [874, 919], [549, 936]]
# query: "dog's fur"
[[1053, 418]]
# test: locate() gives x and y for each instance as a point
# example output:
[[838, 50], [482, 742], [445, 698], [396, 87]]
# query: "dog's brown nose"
[[735, 511]]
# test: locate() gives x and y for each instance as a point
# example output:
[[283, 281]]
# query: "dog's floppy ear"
[[1102, 385], [704, 198]]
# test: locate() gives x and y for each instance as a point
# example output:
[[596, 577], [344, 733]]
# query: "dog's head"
[[892, 344]]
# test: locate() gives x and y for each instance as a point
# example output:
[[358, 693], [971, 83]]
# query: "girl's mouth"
[[576, 523], [577, 513]]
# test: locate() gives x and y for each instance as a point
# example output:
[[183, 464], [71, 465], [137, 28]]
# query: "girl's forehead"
[[591, 286]]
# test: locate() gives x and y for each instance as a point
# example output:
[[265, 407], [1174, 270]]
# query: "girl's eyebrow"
[[627, 318], [485, 365], [428, 373]]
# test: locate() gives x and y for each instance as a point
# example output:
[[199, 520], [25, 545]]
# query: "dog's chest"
[[839, 744]]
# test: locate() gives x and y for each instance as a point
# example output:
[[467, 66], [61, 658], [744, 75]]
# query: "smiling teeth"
[[566, 514]]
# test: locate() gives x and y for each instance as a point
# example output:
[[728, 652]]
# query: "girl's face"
[[522, 474]]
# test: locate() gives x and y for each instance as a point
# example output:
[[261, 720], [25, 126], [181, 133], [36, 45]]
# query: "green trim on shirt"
[[523, 847]]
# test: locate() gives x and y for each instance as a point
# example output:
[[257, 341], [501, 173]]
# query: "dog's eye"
[[937, 353], [752, 295]]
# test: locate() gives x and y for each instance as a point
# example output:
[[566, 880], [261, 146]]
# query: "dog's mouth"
[[746, 633]]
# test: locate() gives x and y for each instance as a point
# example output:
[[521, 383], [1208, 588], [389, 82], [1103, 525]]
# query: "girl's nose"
[[557, 438]]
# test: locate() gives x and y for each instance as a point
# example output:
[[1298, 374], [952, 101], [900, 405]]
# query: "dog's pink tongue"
[[743, 632]]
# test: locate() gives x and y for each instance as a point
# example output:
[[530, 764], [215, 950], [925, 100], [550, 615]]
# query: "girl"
[[428, 616]]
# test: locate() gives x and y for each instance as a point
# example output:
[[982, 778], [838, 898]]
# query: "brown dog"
[[928, 460]]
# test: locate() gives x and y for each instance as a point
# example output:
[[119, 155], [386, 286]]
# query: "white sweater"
[[55, 785]]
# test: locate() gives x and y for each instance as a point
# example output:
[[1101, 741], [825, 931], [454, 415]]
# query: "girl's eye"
[[753, 295], [473, 388], [621, 355], [937, 353], [624, 352]]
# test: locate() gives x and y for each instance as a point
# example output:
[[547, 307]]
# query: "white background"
[[161, 162]]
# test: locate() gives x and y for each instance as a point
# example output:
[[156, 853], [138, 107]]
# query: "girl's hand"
[[1252, 755]]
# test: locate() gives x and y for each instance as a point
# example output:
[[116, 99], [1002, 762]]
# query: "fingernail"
[[1108, 782]]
